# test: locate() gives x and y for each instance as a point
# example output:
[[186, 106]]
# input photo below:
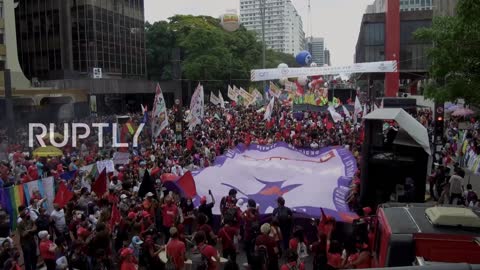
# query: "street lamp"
[[262, 14]]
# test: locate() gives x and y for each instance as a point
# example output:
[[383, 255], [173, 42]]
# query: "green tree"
[[455, 55], [209, 53], [160, 41]]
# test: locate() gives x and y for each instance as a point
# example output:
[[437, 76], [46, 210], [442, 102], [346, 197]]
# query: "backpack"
[[199, 261], [302, 250], [231, 215], [261, 253]]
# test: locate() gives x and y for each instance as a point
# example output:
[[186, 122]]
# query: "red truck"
[[405, 235]]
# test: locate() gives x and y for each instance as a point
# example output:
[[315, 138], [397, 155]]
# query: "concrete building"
[[8, 46], [405, 5], [30, 104], [386, 34], [316, 47], [444, 7], [326, 53], [411, 53], [94, 45], [283, 25]]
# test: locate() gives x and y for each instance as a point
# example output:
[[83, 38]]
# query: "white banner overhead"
[[279, 73]]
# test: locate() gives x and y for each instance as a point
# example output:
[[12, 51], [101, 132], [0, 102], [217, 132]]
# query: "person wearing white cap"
[[136, 245], [47, 250]]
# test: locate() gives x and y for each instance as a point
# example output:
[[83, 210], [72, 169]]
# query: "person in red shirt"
[[292, 263], [169, 216], [128, 261], [176, 249], [47, 250], [207, 229], [334, 255], [228, 234], [299, 244], [319, 252], [264, 241], [250, 217], [207, 250]]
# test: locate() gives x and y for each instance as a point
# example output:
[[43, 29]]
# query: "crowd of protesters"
[[122, 229]]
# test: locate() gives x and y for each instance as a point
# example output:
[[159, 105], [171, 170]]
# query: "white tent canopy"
[[416, 130]]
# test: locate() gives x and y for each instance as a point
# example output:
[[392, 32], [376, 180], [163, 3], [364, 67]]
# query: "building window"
[[1, 9], [1, 39], [2, 65]]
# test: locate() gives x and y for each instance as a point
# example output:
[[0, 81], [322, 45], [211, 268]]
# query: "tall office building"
[[326, 54], [283, 25], [405, 5], [93, 45], [8, 47], [316, 47], [63, 39]]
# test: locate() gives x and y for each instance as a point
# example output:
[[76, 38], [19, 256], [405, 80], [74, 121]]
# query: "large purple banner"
[[308, 179]]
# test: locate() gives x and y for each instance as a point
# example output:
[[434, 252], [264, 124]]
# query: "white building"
[[405, 5], [283, 25], [316, 47]]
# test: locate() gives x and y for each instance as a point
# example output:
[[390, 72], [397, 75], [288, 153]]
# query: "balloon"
[[310, 85], [325, 84], [282, 65], [302, 80], [313, 64], [304, 58], [230, 21], [282, 81]]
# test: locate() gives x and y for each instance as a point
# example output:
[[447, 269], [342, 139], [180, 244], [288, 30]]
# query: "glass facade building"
[[413, 53], [63, 39]]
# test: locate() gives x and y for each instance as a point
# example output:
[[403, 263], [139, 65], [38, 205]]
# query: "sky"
[[338, 21]]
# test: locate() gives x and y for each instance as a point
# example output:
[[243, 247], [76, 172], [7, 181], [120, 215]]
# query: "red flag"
[[187, 184], [100, 185], [123, 137], [63, 195], [329, 125], [115, 218], [300, 90], [190, 144]]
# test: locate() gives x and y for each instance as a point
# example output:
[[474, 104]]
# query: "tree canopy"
[[455, 55], [208, 53]]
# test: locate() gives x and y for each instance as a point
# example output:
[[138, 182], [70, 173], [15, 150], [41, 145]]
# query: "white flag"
[[346, 112], [159, 113], [358, 106], [335, 115], [232, 94], [381, 104], [196, 108], [375, 107], [222, 102], [214, 99], [258, 96], [364, 110], [269, 110]]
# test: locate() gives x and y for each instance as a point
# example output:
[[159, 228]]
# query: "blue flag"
[[145, 118], [267, 91], [68, 175]]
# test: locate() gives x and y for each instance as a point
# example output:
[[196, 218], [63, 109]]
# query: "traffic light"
[[439, 122]]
